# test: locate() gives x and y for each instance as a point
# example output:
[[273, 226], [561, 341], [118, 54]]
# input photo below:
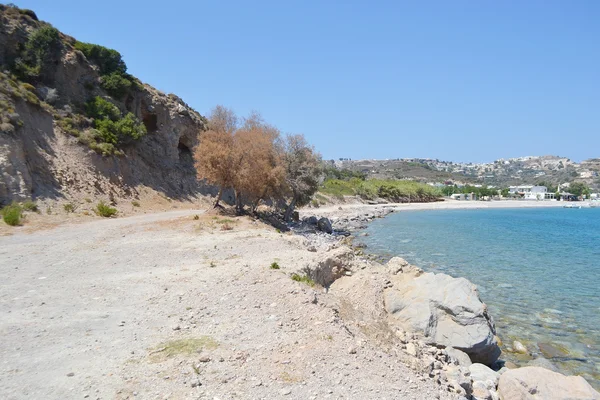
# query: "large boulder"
[[447, 311], [324, 225], [333, 265], [530, 383]]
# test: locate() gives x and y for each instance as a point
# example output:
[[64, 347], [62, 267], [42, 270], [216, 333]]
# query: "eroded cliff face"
[[39, 159]]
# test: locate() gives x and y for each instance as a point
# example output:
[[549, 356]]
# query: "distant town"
[[503, 172], [531, 177]]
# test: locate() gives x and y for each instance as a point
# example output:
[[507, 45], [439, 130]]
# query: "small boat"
[[572, 206]]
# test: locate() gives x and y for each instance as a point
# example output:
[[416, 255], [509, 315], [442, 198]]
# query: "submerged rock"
[[538, 383], [446, 310], [550, 350], [518, 347], [543, 363]]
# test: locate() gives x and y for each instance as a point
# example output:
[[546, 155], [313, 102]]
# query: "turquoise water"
[[538, 270]]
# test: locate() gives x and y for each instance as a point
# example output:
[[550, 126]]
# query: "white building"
[[530, 192]]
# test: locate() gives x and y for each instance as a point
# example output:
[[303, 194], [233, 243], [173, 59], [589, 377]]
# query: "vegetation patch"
[[40, 52], [70, 207], [303, 278], [183, 347], [113, 70], [104, 128], [390, 189], [113, 127], [30, 206], [104, 210], [12, 89], [12, 214], [274, 265]]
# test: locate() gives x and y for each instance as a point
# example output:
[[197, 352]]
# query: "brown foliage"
[[248, 159]]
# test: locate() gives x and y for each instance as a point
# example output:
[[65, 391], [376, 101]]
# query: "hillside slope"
[[500, 173], [74, 123]]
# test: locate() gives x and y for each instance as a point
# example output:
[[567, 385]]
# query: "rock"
[[396, 264], [285, 392], [312, 220], [550, 350], [332, 266], [538, 383], [324, 225], [481, 392], [518, 347], [459, 376], [204, 359], [543, 363], [411, 349], [447, 311], [480, 372], [458, 357], [510, 365]]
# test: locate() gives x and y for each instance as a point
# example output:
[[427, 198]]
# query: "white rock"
[[538, 383], [446, 310], [519, 347], [480, 372]]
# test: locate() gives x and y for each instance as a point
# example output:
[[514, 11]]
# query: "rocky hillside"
[[73, 122], [501, 173]]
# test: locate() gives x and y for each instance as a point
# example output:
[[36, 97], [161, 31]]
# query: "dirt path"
[[164, 306]]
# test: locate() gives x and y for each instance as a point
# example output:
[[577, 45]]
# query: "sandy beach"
[[341, 209]]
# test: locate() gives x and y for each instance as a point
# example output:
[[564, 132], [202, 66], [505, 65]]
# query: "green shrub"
[[100, 108], [112, 128], [303, 278], [395, 190], [135, 203], [30, 206], [116, 84], [12, 214], [274, 265], [70, 207], [29, 13], [106, 149], [41, 49], [122, 131], [104, 210], [108, 60], [28, 86]]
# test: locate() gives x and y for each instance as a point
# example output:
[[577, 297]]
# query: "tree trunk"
[[255, 205], [288, 212], [219, 197], [239, 206]]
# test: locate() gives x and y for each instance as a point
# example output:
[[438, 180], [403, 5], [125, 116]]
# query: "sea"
[[537, 269]]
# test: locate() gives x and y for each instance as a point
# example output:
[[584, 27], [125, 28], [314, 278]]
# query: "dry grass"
[[183, 347]]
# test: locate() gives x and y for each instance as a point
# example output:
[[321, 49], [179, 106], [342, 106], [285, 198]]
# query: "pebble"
[[285, 392]]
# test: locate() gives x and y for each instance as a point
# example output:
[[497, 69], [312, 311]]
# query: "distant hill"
[[500, 173]]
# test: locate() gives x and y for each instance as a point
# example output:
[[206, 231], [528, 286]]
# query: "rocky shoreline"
[[443, 327]]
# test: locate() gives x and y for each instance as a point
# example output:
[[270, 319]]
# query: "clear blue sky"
[[455, 80]]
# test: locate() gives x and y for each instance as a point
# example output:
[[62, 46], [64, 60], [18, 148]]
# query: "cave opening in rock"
[[185, 154], [150, 122]]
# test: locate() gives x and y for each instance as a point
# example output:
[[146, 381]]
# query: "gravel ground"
[[168, 306]]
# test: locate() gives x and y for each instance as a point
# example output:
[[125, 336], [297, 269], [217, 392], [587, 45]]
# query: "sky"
[[470, 81]]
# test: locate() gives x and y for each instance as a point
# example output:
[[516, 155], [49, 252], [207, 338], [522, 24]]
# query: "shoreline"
[[446, 204], [343, 218], [182, 276]]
